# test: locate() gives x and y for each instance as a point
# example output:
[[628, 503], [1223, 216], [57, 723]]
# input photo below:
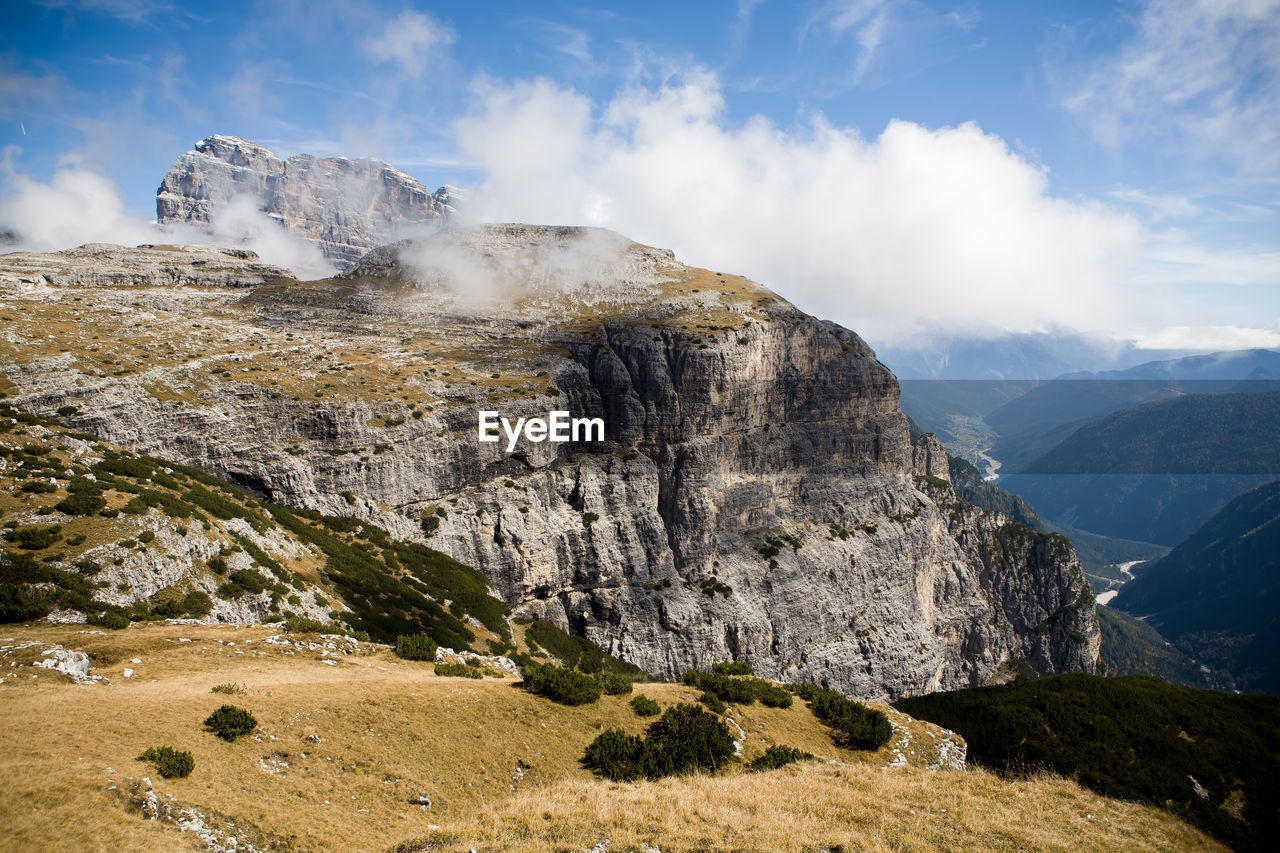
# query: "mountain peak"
[[344, 207]]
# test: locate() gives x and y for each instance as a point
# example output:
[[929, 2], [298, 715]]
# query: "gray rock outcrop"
[[344, 206], [757, 496]]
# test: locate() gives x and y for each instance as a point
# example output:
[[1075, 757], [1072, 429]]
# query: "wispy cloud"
[[131, 11], [1202, 74], [572, 42], [411, 41]]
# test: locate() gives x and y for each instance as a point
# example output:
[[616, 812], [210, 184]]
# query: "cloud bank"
[[78, 206], [914, 229]]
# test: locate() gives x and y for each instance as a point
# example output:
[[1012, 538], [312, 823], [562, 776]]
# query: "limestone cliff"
[[758, 496], [344, 206]]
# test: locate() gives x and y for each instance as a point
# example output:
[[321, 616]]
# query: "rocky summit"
[[757, 496], [345, 207]]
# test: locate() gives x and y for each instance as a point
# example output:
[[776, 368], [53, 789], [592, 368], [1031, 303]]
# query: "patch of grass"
[[229, 688]]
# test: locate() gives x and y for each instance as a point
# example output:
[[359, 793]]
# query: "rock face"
[[346, 207], [757, 496]]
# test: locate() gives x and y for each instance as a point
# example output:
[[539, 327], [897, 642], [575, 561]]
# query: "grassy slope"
[[390, 731]]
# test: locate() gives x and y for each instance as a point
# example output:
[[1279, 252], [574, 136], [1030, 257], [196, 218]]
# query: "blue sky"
[[1109, 167]]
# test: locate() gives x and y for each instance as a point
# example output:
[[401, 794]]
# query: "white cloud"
[[916, 228], [1206, 72], [410, 41], [76, 206], [79, 206]]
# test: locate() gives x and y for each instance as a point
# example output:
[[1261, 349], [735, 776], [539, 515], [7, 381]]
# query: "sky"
[[907, 168]]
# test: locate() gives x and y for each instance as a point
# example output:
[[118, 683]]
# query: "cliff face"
[[344, 206], [757, 496]]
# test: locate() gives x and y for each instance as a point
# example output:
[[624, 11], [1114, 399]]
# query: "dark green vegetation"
[[645, 707], [1192, 434], [1215, 596], [968, 484], [230, 722], [737, 667], [560, 684], [415, 647], [458, 670], [1132, 647], [576, 652], [1157, 471], [392, 588], [170, 763], [1135, 738], [614, 684], [778, 756], [743, 691], [856, 726], [685, 739], [1100, 556]]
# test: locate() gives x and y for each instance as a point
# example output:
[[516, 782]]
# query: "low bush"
[[713, 702], [560, 684], [857, 726], [737, 667], [614, 684], [459, 670], [230, 688], [685, 739], [230, 722], [170, 763], [744, 691], [645, 707], [306, 625], [416, 647], [249, 580], [777, 756], [35, 538]]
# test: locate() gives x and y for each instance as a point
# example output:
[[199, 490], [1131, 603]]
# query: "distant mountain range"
[[1216, 595]]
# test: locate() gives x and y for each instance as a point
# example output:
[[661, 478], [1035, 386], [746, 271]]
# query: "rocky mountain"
[[756, 496], [345, 207]]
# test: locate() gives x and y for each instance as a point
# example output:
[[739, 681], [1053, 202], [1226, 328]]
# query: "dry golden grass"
[[390, 730], [813, 806]]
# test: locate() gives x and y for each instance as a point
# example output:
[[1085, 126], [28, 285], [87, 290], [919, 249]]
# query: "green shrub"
[[713, 702], [197, 603], [771, 695], [81, 503], [39, 487], [305, 625], [170, 763], [229, 688], [777, 756], [685, 739], [589, 518], [430, 524], [416, 647], [614, 684], [113, 620], [459, 670], [230, 722], [737, 667], [560, 684], [645, 707], [248, 580], [857, 726], [35, 538]]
